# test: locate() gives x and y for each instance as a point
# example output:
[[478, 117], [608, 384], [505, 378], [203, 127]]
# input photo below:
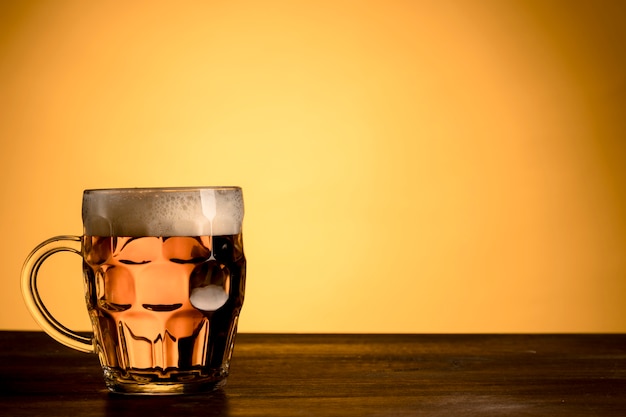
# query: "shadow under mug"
[[164, 273]]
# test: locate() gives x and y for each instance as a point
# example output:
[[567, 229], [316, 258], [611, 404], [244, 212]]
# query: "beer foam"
[[136, 212]]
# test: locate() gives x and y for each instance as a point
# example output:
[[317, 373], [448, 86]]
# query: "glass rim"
[[161, 189]]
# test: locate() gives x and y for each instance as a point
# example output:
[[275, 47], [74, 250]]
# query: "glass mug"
[[164, 274]]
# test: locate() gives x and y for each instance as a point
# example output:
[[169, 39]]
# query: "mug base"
[[136, 383]]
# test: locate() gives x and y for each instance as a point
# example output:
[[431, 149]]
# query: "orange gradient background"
[[407, 166]]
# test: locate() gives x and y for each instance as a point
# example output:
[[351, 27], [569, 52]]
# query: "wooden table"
[[343, 375]]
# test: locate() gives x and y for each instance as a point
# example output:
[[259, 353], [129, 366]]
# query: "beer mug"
[[164, 273]]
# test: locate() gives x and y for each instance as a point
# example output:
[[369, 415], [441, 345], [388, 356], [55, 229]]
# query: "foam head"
[[197, 211]]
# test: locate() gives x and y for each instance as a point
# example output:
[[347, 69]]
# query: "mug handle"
[[35, 305]]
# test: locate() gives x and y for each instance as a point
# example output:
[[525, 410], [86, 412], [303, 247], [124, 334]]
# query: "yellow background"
[[408, 166]]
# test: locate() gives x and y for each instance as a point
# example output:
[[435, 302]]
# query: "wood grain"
[[343, 375]]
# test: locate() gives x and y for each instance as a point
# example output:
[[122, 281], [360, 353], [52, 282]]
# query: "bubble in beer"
[[208, 298]]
